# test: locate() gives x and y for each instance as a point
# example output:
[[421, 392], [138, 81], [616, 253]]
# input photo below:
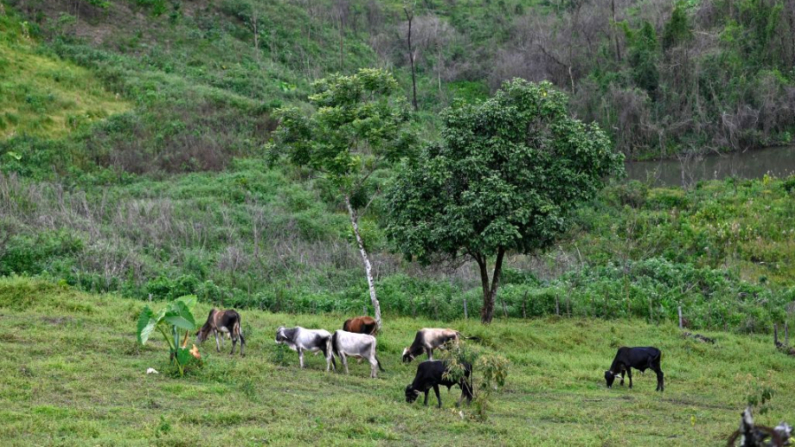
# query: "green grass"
[[74, 375], [44, 95]]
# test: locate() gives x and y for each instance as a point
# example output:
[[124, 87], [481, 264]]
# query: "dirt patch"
[[58, 321]]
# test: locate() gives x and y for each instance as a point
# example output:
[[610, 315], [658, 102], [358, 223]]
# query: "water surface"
[[776, 161]]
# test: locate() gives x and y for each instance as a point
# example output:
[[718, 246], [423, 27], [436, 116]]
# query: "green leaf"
[[180, 316], [146, 325], [183, 356], [189, 301]]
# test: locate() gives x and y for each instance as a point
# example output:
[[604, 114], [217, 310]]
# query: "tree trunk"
[[341, 41], [614, 28], [409, 18], [366, 259], [489, 290]]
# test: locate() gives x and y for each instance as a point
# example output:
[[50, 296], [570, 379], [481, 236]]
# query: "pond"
[[776, 161]]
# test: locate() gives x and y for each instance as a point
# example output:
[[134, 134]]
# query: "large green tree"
[[504, 178], [359, 124]]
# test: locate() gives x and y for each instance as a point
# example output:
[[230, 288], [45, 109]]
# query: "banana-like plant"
[[172, 321]]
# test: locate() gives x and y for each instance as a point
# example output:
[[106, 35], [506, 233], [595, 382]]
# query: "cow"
[[347, 344], [638, 358], [431, 374], [428, 339], [361, 325], [753, 435], [225, 322], [313, 340]]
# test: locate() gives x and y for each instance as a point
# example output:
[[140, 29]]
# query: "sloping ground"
[[73, 374], [44, 95]]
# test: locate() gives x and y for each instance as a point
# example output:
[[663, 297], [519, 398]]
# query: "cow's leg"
[[438, 397], [430, 354], [234, 342], [373, 368], [660, 379], [629, 375], [301, 357], [344, 361], [217, 344], [426, 397]]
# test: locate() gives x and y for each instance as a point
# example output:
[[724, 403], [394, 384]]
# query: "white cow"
[[348, 344], [301, 339]]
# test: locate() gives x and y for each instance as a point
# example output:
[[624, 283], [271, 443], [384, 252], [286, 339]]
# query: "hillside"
[[43, 95], [168, 193], [74, 375], [662, 79]]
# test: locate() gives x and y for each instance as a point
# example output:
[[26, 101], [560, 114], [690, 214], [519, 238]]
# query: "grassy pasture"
[[73, 375]]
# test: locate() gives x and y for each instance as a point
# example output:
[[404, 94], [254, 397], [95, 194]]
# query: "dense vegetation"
[[103, 209], [249, 238], [74, 374]]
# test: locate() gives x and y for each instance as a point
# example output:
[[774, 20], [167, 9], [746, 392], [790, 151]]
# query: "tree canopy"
[[505, 177]]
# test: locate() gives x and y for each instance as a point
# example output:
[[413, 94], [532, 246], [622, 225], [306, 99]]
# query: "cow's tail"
[[334, 348], [238, 330], [327, 351], [379, 364], [464, 337]]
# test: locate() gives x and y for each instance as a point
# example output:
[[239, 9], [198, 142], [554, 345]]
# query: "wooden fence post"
[[557, 306], [775, 334], [524, 306], [504, 309], [680, 317], [466, 316], [786, 334], [651, 312]]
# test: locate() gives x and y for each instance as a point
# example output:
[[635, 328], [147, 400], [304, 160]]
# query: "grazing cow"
[[347, 344], [361, 325], [313, 340], [638, 358], [428, 339], [225, 322], [431, 374], [753, 435]]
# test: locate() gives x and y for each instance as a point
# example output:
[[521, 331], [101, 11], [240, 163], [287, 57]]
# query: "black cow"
[[638, 358], [431, 374]]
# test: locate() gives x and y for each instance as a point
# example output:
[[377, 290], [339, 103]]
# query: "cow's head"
[[280, 335], [201, 335], [610, 377], [411, 394], [407, 356]]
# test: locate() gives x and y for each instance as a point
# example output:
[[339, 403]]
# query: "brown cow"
[[227, 321], [361, 325]]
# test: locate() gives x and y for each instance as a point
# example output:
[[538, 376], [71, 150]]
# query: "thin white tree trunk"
[[367, 267]]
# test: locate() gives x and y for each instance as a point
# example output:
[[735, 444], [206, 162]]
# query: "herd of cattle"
[[357, 340]]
